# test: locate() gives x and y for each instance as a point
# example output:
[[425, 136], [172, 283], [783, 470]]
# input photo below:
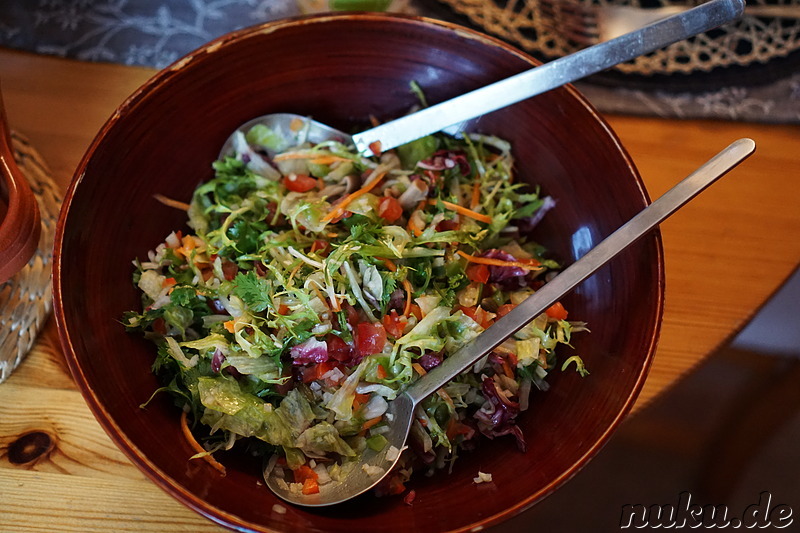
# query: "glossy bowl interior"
[[341, 70]]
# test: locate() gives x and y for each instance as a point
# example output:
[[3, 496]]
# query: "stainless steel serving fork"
[[587, 24]]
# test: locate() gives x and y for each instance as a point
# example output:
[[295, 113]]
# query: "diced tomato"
[[394, 324], [283, 309], [557, 311], [389, 209], [416, 311], [338, 349], [370, 338], [310, 486], [478, 273], [352, 315], [299, 182], [504, 309]]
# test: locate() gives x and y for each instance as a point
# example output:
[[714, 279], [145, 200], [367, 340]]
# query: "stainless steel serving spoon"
[[452, 114], [400, 413]]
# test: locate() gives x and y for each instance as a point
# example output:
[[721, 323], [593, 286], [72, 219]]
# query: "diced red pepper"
[[299, 182], [389, 209], [478, 273], [322, 248], [394, 324], [556, 311], [479, 315], [160, 326], [229, 269], [317, 370], [304, 472], [505, 309], [447, 225]]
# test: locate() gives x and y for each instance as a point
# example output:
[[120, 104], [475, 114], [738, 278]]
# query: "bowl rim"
[[130, 104]]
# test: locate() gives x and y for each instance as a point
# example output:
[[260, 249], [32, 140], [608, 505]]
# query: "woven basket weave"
[[26, 299], [747, 41]]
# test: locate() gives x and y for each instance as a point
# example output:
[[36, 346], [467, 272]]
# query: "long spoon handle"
[[584, 267], [549, 76]]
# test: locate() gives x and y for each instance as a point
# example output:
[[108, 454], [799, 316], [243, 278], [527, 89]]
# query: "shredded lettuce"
[[293, 310]]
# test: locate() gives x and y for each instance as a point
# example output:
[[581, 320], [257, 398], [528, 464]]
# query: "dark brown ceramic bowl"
[[341, 70]]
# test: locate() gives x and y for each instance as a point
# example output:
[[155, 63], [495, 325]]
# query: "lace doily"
[[748, 41]]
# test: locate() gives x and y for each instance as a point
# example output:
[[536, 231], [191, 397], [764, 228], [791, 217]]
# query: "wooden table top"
[[725, 253]]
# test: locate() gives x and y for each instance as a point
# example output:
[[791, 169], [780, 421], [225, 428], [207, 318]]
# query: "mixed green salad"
[[314, 285]]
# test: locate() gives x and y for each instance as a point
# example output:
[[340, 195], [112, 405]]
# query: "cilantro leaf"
[[253, 290]]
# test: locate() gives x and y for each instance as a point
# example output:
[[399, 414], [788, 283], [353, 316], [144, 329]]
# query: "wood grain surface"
[[726, 253]]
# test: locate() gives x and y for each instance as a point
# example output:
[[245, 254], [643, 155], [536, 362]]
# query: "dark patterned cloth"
[[157, 32]]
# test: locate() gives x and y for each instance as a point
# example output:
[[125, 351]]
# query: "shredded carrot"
[[507, 368], [169, 202], [415, 229], [498, 262], [371, 422], [197, 447], [409, 289], [418, 367], [292, 274], [340, 208], [317, 159], [229, 326], [461, 210], [319, 294], [476, 195], [327, 159], [391, 266]]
